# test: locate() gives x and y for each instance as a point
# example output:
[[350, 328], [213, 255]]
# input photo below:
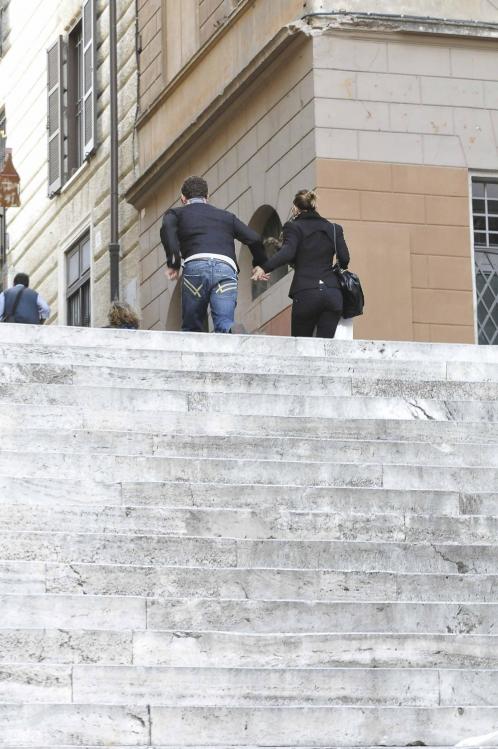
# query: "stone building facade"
[[54, 74], [388, 108]]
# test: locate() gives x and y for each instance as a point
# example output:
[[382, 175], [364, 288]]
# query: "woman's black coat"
[[309, 246]]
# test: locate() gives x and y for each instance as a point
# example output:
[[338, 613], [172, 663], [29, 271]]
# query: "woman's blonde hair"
[[305, 200], [121, 315]]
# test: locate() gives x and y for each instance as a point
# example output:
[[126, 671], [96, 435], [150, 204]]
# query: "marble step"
[[226, 686], [257, 447], [125, 468], [188, 551], [422, 364], [79, 493], [234, 650], [250, 524], [351, 650], [244, 616], [383, 384], [389, 405], [145, 726], [245, 345], [35, 356], [158, 494], [260, 584], [31, 578], [55, 418]]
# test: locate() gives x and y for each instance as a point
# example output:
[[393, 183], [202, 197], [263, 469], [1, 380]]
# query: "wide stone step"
[[390, 405], [141, 726], [257, 447], [160, 685], [191, 551], [174, 582], [245, 345], [111, 468], [155, 648], [31, 578], [247, 496], [418, 429], [250, 524], [305, 616], [305, 383], [234, 650], [37, 356], [244, 616]]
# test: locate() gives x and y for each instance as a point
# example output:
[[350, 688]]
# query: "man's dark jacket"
[[201, 228], [309, 244]]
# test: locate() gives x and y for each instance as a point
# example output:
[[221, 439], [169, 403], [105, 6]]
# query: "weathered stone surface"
[[239, 541]]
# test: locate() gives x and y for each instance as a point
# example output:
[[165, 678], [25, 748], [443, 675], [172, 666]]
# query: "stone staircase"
[[246, 541]]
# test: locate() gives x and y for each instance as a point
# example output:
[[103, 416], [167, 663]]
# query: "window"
[[4, 26], [78, 283], [71, 84], [271, 232], [485, 224]]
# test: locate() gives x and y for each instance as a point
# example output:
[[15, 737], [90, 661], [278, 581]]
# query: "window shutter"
[[89, 77], [54, 117]]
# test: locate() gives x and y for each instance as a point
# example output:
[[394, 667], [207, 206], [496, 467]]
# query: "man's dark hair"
[[195, 187], [21, 278]]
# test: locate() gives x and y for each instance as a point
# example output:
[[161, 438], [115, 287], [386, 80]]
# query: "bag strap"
[[16, 304]]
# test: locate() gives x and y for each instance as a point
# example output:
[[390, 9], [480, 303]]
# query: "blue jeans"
[[210, 283]]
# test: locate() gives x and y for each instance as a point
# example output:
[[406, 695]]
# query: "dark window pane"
[[479, 206], [493, 240], [478, 189], [480, 223], [492, 190], [85, 255], [73, 268], [492, 224], [492, 206], [479, 238]]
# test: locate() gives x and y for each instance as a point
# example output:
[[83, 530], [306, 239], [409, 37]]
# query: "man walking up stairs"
[[246, 541]]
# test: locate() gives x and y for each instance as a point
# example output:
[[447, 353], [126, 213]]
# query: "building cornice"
[[395, 23], [159, 168]]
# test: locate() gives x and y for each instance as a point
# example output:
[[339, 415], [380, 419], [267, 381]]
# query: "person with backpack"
[[23, 305]]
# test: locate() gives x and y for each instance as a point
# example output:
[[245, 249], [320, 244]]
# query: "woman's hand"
[[258, 274]]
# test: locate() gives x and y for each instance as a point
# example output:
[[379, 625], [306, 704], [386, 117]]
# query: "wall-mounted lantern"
[[9, 183]]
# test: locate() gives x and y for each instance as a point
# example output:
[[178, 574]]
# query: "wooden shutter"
[[55, 117], [89, 78]]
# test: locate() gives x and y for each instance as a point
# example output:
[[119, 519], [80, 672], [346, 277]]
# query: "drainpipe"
[[114, 248]]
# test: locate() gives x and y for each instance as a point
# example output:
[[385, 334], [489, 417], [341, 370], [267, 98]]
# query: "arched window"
[[266, 221]]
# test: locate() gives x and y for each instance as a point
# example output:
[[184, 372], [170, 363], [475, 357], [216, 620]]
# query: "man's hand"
[[258, 274], [172, 274]]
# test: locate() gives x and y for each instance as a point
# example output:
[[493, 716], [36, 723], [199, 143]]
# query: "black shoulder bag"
[[352, 293], [11, 316]]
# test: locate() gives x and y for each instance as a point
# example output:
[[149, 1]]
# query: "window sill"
[[73, 179]]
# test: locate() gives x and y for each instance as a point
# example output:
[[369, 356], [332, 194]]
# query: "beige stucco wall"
[[43, 229]]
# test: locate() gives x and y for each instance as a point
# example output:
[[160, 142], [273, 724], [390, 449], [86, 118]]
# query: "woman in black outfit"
[[309, 244]]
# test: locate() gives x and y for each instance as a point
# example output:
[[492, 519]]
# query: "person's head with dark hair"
[[305, 200], [121, 315], [194, 187], [22, 278]]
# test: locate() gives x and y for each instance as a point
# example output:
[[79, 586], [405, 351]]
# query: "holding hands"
[[258, 274]]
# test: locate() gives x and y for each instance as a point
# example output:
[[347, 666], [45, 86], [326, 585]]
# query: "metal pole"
[[114, 248]]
